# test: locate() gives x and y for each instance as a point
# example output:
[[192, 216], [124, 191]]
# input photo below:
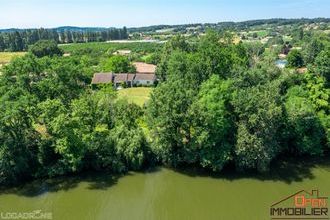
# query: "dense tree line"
[[52, 124], [19, 40], [215, 108], [215, 105], [237, 26]]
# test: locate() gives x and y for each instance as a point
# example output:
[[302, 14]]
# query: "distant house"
[[144, 76], [122, 52], [286, 49], [144, 67]]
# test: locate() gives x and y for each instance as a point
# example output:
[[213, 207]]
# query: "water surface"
[[281, 63], [168, 194]]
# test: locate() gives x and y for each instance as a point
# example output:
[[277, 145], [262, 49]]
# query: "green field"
[[137, 95], [103, 47], [262, 33], [6, 57]]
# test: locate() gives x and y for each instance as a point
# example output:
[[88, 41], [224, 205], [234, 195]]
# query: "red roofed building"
[[128, 79], [144, 76]]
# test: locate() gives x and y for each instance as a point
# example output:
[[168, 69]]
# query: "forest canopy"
[[217, 103]]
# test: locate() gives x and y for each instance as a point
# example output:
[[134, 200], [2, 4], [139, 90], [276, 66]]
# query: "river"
[[166, 194]]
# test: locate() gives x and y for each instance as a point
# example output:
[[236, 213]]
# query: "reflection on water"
[[162, 193]]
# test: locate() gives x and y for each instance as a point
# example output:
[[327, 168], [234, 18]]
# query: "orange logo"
[[301, 205]]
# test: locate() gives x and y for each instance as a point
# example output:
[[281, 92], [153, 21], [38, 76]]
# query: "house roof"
[[102, 78], [145, 76], [302, 70], [99, 78], [144, 67], [123, 77]]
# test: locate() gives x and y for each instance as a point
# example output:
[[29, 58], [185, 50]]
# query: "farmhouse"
[[144, 76], [127, 79]]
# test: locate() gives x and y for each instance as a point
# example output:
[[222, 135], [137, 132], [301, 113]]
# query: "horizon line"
[[164, 24]]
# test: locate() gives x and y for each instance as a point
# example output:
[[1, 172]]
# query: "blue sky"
[[117, 13]]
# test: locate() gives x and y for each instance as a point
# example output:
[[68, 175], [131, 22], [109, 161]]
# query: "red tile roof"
[[144, 76], [144, 67], [123, 77], [102, 78], [99, 78]]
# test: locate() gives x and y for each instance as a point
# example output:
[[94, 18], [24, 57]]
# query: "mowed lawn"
[[6, 57], [137, 95]]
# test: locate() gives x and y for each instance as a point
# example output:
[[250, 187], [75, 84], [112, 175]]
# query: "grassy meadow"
[[138, 95], [6, 57]]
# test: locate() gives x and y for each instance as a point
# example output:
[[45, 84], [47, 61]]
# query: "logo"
[[301, 205]]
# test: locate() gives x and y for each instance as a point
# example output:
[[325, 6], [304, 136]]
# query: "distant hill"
[[219, 25], [79, 29], [61, 29], [232, 25]]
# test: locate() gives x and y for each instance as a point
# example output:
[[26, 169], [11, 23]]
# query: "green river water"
[[165, 194]]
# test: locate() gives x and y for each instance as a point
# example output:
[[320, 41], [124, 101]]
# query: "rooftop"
[[144, 67], [123, 77], [99, 78], [102, 78], [144, 76]]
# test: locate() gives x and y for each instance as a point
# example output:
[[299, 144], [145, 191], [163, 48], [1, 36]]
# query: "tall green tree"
[[312, 49], [18, 139], [212, 129], [118, 64], [323, 65], [306, 131], [295, 59], [260, 118], [46, 48], [167, 119]]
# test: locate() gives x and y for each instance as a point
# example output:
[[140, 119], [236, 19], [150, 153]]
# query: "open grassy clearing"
[[262, 33], [6, 57], [137, 95]]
